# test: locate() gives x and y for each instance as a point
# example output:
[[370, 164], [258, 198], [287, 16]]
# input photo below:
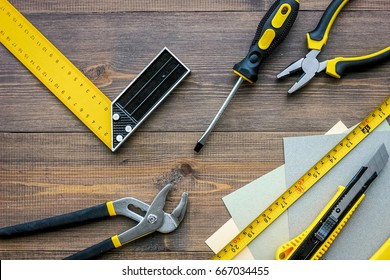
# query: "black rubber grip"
[[88, 214], [250, 65], [319, 32], [343, 67], [93, 251]]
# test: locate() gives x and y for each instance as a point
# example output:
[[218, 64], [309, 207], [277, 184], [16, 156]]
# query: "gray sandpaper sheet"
[[369, 226]]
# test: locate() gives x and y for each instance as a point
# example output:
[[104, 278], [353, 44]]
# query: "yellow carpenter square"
[[55, 71], [111, 122]]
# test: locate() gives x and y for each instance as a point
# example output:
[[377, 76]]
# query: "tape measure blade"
[[302, 185], [55, 71]]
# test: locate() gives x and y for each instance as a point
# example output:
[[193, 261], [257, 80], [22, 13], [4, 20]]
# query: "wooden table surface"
[[50, 163]]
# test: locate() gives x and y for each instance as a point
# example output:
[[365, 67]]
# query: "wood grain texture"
[[51, 164], [47, 174], [106, 50], [88, 6]]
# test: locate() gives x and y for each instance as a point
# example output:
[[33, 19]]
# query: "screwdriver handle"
[[272, 30], [338, 66], [317, 38]]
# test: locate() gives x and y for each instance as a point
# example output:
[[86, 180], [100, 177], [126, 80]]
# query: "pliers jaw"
[[155, 219], [310, 67], [173, 220], [335, 67], [316, 39]]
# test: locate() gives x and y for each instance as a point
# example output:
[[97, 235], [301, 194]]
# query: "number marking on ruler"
[[55, 71], [302, 185]]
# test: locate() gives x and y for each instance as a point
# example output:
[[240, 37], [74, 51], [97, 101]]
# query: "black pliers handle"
[[155, 219], [337, 67]]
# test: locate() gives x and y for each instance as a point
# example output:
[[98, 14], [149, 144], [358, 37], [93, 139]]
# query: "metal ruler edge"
[[56, 72], [303, 184]]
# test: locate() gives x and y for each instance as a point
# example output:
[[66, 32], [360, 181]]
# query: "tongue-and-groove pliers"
[[155, 219]]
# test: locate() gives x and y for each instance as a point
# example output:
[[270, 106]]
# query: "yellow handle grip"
[[338, 66], [317, 38], [328, 242], [111, 208], [285, 251], [271, 31]]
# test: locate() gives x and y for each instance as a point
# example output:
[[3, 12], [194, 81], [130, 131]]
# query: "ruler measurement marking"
[[69, 84], [44, 60], [314, 174]]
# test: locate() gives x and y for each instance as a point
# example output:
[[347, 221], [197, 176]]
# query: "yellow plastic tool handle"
[[304, 183], [328, 242], [285, 251], [338, 66], [317, 38], [271, 31]]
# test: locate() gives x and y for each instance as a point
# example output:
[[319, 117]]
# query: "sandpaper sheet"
[[369, 227]]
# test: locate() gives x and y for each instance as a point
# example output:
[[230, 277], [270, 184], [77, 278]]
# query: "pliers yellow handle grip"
[[317, 38], [336, 67], [155, 219]]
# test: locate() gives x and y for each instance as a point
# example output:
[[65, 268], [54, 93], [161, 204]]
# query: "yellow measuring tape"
[[314, 174], [383, 252], [55, 71]]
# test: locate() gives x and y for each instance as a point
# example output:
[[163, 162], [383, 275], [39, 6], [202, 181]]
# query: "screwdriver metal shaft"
[[271, 31], [206, 134]]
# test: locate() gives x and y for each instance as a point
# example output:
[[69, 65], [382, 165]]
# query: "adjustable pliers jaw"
[[155, 219]]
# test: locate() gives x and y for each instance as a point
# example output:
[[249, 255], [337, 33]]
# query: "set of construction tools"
[[113, 122]]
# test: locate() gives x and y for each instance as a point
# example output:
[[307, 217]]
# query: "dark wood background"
[[50, 163]]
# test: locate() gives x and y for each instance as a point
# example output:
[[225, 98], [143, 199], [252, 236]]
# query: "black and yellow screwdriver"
[[272, 30]]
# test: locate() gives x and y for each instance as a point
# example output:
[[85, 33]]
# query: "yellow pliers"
[[336, 67]]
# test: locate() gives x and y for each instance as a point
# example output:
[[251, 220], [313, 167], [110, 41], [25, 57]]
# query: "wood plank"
[[88, 6], [123, 255], [51, 164], [355, 5], [115, 58], [103, 6], [47, 174]]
